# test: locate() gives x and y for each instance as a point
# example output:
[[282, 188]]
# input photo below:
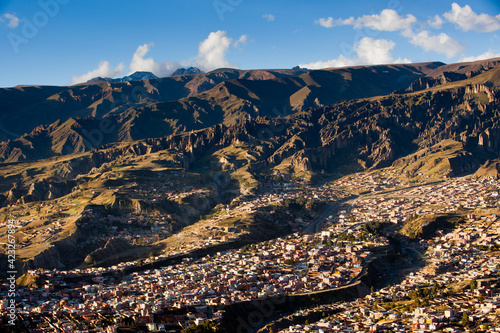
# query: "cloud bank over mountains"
[[212, 54], [368, 49], [416, 32]]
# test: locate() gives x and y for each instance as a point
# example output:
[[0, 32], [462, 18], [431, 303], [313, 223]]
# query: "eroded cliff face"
[[47, 190], [49, 258], [375, 132], [115, 248], [61, 254], [371, 132], [347, 136]]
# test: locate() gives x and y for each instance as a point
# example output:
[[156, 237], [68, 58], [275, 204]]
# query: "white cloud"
[[12, 20], [103, 70], [341, 61], [441, 43], [268, 17], [369, 52], [467, 19], [212, 51], [387, 20], [375, 51], [242, 40], [327, 23], [211, 55], [139, 63], [435, 22], [487, 55]]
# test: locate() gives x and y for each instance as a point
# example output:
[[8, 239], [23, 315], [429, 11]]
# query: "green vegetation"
[[465, 321], [374, 228], [302, 203], [206, 327], [425, 293], [426, 227], [28, 280]]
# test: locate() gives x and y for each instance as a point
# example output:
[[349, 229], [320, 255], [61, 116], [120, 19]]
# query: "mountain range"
[[53, 117], [83, 146], [141, 75], [334, 119], [45, 121], [136, 76]]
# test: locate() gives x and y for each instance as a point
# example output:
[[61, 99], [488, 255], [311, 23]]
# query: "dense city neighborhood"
[[453, 287]]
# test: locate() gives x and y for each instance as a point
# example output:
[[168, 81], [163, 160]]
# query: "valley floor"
[[441, 240]]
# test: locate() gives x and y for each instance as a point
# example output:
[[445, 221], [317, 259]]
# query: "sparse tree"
[[465, 322], [473, 284]]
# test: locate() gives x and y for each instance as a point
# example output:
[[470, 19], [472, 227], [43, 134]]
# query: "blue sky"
[[60, 42]]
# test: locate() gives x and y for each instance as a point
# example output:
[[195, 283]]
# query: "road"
[[315, 225], [394, 274], [394, 191]]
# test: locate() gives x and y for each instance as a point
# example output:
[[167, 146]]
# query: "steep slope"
[[491, 168], [447, 158], [453, 72], [447, 130], [239, 95], [26, 107], [470, 69]]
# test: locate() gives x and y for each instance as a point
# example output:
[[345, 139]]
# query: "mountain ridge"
[[136, 76], [230, 140], [187, 71], [227, 95]]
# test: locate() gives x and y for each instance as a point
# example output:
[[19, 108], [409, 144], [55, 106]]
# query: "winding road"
[[315, 225]]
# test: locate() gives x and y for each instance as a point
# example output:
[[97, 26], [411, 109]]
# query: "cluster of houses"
[[467, 297], [462, 265], [295, 264], [369, 182], [401, 205], [192, 292]]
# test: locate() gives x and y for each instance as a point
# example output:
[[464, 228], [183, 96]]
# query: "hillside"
[[74, 116], [435, 131], [26, 107], [145, 174]]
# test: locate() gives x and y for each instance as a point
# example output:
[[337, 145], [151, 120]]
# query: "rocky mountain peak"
[[189, 70]]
